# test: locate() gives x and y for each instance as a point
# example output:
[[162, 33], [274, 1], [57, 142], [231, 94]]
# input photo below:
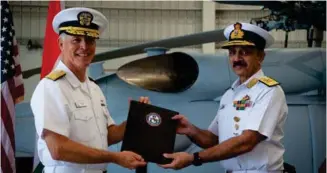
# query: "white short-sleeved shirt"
[[253, 106], [73, 109]]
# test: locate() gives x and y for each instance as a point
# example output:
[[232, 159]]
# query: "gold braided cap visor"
[[237, 43], [80, 31]]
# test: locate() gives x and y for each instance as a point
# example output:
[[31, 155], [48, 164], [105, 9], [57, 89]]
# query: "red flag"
[[12, 88], [51, 49], [50, 55]]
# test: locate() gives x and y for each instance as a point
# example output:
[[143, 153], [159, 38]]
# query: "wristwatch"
[[196, 159]]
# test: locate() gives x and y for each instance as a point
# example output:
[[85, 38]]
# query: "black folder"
[[150, 132]]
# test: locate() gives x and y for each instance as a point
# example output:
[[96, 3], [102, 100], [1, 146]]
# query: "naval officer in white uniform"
[[71, 114], [245, 135]]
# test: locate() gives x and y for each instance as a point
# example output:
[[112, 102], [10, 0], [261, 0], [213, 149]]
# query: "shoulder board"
[[268, 81], [252, 82], [55, 75]]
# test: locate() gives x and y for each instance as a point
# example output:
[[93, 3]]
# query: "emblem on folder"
[[153, 119]]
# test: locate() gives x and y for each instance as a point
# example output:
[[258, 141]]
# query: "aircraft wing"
[[174, 42]]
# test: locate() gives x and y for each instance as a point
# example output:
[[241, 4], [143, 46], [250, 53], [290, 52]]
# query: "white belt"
[[67, 169], [254, 171]]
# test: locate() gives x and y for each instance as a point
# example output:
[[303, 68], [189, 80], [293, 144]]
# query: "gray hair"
[[62, 36]]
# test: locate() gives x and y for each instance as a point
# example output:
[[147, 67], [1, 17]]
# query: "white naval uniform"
[[72, 109], [266, 114]]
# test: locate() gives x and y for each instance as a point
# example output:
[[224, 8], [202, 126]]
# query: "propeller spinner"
[[175, 72]]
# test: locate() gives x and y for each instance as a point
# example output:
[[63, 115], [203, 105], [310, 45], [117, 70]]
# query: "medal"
[[243, 103]]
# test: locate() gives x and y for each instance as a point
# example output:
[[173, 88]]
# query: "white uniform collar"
[[258, 74], [73, 80]]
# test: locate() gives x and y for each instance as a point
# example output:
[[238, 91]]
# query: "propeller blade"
[[31, 72], [181, 41], [268, 4], [175, 72]]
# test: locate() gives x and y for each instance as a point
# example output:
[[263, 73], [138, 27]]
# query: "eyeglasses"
[[241, 51]]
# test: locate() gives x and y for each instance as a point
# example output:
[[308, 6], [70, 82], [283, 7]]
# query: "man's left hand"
[[142, 99], [180, 160]]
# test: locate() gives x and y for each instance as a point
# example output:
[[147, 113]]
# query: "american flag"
[[12, 88]]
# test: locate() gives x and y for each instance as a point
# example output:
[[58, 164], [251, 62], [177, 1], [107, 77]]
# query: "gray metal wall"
[[129, 22]]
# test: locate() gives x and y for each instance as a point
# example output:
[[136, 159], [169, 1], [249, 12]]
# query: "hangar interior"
[[136, 22]]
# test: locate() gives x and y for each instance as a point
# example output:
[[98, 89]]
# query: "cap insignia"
[[85, 18], [237, 32]]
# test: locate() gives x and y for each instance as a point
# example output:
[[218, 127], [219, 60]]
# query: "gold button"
[[237, 119], [237, 126]]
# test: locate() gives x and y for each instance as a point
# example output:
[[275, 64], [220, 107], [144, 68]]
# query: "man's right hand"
[[203, 138], [184, 126], [130, 160]]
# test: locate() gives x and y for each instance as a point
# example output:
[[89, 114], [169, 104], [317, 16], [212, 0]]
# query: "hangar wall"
[[129, 22], [135, 22]]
